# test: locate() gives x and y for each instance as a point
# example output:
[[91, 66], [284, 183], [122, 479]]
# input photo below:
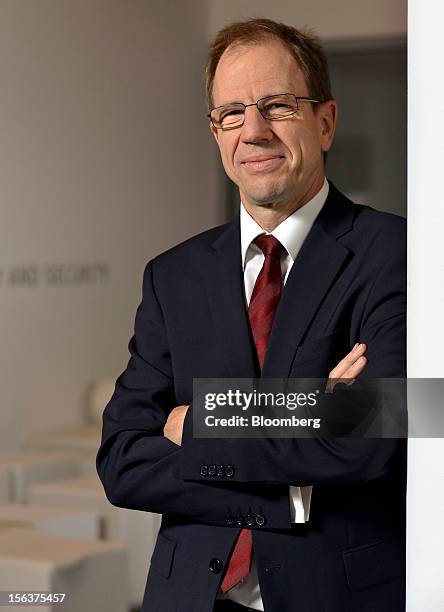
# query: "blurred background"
[[106, 159]]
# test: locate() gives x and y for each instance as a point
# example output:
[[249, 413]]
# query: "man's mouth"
[[257, 163]]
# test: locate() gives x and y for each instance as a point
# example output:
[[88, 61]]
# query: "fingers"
[[356, 368], [348, 368], [179, 408], [354, 362]]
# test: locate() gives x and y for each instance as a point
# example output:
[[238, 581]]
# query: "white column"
[[425, 498]]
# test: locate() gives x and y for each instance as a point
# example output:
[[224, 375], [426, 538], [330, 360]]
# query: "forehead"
[[248, 72]]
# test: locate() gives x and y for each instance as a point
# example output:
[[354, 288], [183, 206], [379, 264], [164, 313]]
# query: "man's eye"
[[234, 112], [278, 106]]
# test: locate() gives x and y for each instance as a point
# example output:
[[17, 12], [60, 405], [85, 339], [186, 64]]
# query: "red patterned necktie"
[[261, 312]]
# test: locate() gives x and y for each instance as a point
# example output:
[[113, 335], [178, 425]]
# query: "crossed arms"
[[347, 369], [142, 468]]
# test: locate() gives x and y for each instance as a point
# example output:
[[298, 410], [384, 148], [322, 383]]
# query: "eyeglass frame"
[[297, 98]]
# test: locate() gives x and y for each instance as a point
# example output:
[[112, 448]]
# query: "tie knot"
[[270, 245]]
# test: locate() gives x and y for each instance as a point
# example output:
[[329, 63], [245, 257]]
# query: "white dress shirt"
[[291, 233]]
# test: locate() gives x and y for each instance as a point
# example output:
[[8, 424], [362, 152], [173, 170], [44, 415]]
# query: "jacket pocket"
[[163, 555], [372, 564]]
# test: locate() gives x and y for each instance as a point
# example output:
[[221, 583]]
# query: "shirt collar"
[[291, 232]]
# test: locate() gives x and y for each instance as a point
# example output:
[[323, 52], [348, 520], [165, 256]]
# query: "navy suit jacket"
[[347, 285]]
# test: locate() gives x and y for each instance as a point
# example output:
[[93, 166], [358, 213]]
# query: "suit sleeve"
[[141, 469], [326, 461]]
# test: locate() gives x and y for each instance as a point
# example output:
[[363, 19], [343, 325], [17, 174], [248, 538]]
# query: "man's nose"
[[255, 128]]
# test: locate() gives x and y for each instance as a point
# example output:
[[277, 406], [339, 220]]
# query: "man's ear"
[[328, 116]]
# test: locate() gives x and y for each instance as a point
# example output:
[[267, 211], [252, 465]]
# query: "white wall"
[[342, 19], [104, 157], [425, 503]]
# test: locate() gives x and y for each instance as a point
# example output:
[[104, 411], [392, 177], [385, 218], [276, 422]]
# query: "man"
[[301, 277]]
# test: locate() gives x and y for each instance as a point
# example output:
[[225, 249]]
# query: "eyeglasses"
[[274, 108]]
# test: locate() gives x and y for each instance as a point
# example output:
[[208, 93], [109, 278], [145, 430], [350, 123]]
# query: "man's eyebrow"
[[229, 103]]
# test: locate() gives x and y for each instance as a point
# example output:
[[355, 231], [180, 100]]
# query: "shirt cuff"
[[300, 500]]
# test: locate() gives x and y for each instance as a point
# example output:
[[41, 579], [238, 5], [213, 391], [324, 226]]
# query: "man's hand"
[[174, 426], [348, 368]]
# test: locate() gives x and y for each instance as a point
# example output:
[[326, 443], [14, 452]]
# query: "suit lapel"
[[318, 263], [225, 289]]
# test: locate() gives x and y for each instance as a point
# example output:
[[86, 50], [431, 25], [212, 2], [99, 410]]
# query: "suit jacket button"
[[260, 520], [229, 520], [216, 566], [249, 520], [204, 470], [229, 471], [220, 471], [211, 470]]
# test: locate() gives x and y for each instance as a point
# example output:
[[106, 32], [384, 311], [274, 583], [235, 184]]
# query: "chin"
[[267, 198], [266, 203]]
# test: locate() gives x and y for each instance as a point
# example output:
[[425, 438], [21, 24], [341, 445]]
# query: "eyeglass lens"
[[272, 107]]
